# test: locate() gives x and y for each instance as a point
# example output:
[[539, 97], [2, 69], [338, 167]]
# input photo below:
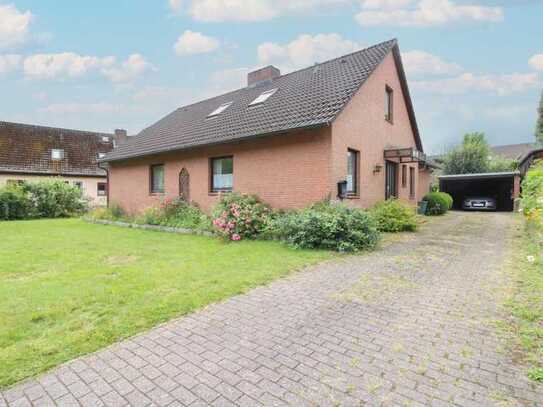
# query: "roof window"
[[220, 109], [263, 97], [57, 154]]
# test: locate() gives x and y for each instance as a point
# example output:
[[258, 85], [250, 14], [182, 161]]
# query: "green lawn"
[[525, 304], [68, 288]]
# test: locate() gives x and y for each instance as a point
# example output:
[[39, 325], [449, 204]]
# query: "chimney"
[[120, 136], [262, 76]]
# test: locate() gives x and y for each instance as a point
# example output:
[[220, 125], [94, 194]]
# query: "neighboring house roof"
[[513, 151], [28, 149], [307, 98]]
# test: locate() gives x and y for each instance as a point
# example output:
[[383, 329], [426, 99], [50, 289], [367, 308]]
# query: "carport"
[[503, 186]]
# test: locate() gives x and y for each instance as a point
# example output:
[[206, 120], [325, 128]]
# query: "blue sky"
[[472, 65]]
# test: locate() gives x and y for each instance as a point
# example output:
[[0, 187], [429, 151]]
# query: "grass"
[[68, 288], [525, 304]]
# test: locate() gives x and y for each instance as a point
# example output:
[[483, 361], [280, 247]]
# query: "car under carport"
[[503, 186]]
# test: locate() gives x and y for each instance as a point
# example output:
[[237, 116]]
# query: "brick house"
[[292, 139], [35, 153]]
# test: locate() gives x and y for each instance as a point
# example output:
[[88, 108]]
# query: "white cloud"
[[537, 62], [305, 51], [429, 13], [71, 65], [47, 66], [135, 66], [175, 5], [9, 63], [249, 10], [14, 26], [190, 43], [418, 62], [469, 83], [84, 108], [385, 4]]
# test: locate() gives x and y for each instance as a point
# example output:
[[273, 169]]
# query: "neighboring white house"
[[33, 153]]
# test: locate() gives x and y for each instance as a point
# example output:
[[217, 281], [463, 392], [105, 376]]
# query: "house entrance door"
[[391, 184]]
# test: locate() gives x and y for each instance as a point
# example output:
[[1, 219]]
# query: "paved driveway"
[[409, 325]]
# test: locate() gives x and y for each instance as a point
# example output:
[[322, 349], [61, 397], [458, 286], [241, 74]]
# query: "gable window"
[[352, 172], [222, 174], [220, 109], [404, 176], [389, 103], [57, 154], [411, 182], [157, 179], [263, 97], [101, 189]]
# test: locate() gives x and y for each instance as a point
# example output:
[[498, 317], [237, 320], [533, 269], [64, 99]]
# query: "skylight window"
[[220, 109], [263, 97]]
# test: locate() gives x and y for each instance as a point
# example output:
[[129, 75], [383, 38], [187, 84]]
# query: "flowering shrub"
[[239, 216], [328, 226]]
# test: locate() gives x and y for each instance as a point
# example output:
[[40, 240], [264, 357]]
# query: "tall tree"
[[539, 125], [468, 158]]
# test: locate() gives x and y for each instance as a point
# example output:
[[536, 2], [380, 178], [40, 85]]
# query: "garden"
[[69, 287]]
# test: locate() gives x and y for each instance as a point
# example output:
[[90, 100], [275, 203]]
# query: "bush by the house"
[[239, 216], [328, 226], [172, 213], [15, 204], [532, 193], [395, 216], [41, 200], [438, 203]]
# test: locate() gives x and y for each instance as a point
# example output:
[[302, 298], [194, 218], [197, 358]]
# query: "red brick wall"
[[362, 126], [287, 171]]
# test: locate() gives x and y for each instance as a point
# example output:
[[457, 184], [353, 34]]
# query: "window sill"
[[156, 193], [222, 191], [352, 196]]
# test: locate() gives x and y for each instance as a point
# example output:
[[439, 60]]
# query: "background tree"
[[472, 156], [539, 125]]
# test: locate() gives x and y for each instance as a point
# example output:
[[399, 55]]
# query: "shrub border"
[[167, 229]]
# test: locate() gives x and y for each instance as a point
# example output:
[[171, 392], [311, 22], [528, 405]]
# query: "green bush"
[[15, 204], [239, 216], [56, 199], [41, 200], [328, 226], [438, 203], [449, 200], [112, 212], [394, 216]]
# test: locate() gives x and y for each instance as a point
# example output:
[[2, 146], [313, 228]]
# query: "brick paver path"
[[408, 325]]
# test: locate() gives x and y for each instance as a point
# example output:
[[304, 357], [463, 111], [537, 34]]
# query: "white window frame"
[[263, 97], [220, 109], [57, 154]]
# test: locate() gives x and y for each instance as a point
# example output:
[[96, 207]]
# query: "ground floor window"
[[78, 184], [352, 172], [222, 174], [157, 179], [101, 189], [411, 182]]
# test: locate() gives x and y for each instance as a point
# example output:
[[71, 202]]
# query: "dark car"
[[479, 203]]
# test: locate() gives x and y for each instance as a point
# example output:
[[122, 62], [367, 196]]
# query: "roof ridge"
[[393, 40], [39, 126]]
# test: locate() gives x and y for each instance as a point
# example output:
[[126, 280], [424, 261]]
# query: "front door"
[[391, 185]]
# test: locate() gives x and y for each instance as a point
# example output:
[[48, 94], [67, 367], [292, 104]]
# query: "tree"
[[471, 157], [539, 125]]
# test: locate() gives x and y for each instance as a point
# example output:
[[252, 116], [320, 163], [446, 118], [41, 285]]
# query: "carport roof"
[[486, 175]]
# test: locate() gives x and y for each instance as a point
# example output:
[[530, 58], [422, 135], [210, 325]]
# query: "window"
[[352, 172], [411, 182], [57, 154], [101, 155], [263, 97], [157, 179], [389, 99], [101, 189], [78, 184], [404, 176], [222, 174], [220, 109], [105, 139]]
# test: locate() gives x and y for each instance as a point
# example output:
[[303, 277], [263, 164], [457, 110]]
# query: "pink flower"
[[236, 237]]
